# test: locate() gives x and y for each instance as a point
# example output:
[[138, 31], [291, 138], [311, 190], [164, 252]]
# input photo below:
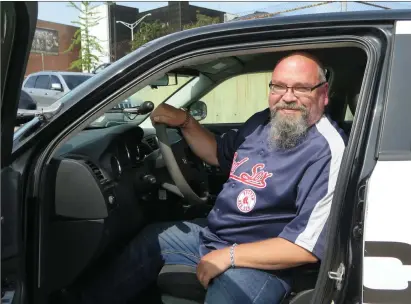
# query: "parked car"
[[47, 86], [73, 195]]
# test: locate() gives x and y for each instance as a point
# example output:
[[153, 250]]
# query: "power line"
[[372, 4]]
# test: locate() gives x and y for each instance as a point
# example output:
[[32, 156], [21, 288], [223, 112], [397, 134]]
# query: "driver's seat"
[[179, 285]]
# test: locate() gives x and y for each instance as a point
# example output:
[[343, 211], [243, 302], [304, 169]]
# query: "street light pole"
[[131, 26]]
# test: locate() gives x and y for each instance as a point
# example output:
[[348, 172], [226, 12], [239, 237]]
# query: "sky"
[[52, 11]]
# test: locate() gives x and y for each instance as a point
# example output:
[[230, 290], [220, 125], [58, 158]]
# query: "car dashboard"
[[101, 179]]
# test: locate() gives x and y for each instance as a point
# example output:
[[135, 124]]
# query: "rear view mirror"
[[56, 87], [165, 80], [198, 110]]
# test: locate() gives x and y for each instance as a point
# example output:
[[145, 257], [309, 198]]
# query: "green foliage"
[[154, 30], [89, 44], [149, 31], [202, 20]]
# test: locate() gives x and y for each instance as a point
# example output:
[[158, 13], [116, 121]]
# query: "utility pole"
[[131, 26], [343, 6], [42, 60]]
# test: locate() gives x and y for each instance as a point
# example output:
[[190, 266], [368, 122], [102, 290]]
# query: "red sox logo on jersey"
[[257, 178], [246, 200]]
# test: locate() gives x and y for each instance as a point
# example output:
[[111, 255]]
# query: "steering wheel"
[[186, 162]]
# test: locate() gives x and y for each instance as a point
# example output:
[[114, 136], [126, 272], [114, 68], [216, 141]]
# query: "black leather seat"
[[179, 285]]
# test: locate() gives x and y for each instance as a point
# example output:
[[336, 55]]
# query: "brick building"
[[176, 14], [50, 42], [179, 13]]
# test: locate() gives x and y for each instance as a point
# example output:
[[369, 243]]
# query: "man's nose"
[[289, 96]]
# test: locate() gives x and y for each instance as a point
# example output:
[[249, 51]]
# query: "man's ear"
[[326, 87]]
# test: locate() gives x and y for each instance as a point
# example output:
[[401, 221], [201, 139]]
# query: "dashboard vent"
[[97, 172], [152, 142]]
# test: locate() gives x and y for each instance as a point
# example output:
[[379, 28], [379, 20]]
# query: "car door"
[[82, 102], [28, 85], [41, 91], [387, 248], [18, 22]]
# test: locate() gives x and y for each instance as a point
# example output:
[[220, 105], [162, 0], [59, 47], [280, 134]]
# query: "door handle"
[[46, 93], [31, 91]]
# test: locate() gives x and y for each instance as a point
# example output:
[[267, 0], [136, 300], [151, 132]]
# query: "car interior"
[[106, 184]]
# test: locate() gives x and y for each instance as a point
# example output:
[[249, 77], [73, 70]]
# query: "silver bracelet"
[[232, 255]]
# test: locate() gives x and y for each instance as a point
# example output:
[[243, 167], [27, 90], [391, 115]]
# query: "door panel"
[[18, 23], [387, 238], [10, 212], [12, 270]]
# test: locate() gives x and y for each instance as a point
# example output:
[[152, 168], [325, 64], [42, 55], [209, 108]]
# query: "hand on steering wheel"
[[168, 115], [162, 117]]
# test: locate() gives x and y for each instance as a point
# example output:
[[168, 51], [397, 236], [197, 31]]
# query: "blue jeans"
[[177, 243]]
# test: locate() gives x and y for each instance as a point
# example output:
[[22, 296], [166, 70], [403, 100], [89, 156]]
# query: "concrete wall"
[[60, 62]]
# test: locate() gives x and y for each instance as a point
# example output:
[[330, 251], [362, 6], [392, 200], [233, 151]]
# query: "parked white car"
[[47, 86]]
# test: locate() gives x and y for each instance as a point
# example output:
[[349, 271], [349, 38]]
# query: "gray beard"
[[286, 132]]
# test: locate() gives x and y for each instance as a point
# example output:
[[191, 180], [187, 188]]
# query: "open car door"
[[18, 23]]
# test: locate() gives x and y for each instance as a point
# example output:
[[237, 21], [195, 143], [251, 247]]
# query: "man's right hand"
[[201, 141], [168, 115]]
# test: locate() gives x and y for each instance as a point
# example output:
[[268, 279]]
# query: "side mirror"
[[57, 87], [198, 110]]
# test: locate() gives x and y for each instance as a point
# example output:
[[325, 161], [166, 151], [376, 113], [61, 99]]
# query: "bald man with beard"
[[272, 213]]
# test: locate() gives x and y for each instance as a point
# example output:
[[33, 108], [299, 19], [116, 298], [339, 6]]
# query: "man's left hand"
[[212, 265]]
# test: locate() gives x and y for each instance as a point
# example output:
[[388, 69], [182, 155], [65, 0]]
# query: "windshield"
[[155, 94], [73, 81]]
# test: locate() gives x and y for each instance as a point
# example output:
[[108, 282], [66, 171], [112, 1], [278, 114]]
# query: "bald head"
[[307, 59]]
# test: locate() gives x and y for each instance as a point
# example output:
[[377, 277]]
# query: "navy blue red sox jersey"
[[284, 193]]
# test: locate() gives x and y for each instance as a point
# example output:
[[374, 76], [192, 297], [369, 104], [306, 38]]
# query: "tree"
[[202, 20], [89, 44], [149, 31], [154, 30]]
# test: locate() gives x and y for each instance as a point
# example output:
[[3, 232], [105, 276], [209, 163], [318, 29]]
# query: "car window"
[[234, 100], [43, 82], [157, 95], [55, 79], [73, 81], [30, 82], [348, 115]]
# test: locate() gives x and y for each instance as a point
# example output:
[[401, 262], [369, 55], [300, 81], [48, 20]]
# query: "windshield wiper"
[[44, 114]]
